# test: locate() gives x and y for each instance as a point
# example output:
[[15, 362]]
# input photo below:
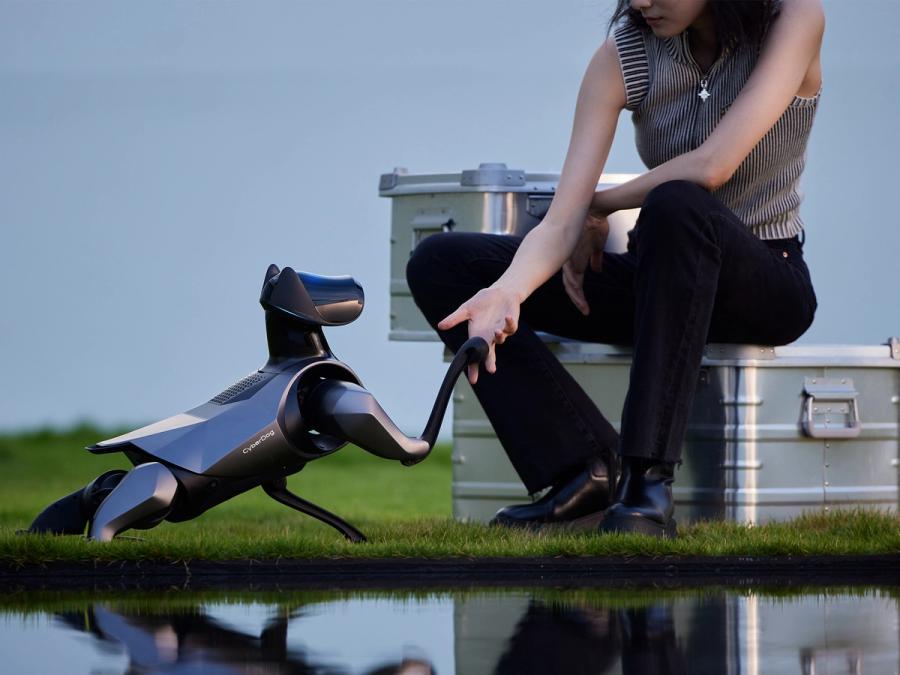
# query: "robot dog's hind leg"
[[64, 516], [277, 490], [72, 513], [143, 496]]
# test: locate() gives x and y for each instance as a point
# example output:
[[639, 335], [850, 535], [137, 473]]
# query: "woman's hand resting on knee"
[[588, 250], [493, 314]]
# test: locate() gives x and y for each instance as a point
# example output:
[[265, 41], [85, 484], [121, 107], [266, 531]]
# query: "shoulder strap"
[[633, 62]]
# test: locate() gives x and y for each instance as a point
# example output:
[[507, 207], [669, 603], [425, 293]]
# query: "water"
[[481, 631]]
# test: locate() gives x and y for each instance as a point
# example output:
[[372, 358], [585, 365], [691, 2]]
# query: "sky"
[[155, 157]]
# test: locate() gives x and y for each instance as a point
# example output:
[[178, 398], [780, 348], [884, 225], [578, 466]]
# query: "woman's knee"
[[674, 196], [674, 210], [672, 199]]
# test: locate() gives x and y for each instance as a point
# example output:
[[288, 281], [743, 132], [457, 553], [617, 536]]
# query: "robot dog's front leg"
[[143, 497], [346, 410]]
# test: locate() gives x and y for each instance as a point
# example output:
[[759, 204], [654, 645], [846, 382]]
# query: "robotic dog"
[[303, 404]]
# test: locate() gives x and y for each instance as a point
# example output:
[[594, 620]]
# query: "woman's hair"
[[737, 21]]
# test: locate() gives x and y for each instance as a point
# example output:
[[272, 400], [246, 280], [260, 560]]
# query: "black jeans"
[[693, 273]]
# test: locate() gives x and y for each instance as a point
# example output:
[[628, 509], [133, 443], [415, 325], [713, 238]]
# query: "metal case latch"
[[830, 408], [426, 224], [537, 205]]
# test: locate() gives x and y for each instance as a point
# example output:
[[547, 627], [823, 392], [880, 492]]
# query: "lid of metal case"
[[860, 356], [885, 355], [488, 177]]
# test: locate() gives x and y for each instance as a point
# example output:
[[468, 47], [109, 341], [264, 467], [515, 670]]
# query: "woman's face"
[[668, 18]]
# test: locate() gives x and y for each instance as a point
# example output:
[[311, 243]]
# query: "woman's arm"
[[600, 101], [493, 312], [793, 42]]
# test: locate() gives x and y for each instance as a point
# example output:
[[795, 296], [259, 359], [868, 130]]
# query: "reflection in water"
[[193, 640], [554, 639], [155, 641], [648, 642], [503, 632]]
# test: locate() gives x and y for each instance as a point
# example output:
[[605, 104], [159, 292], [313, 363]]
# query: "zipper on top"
[[704, 82], [703, 94]]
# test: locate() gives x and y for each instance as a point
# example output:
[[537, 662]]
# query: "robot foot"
[[141, 499], [277, 490], [64, 516], [72, 513]]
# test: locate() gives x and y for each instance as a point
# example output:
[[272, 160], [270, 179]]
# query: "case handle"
[[426, 224], [830, 408]]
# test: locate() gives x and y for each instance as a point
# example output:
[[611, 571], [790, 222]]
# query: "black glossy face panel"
[[338, 299], [310, 298]]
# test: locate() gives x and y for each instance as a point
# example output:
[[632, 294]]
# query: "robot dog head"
[[311, 299]]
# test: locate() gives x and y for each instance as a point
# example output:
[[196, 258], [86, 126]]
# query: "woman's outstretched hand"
[[588, 250], [493, 314]]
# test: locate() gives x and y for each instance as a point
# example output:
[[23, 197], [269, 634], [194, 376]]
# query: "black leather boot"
[[643, 502], [577, 502]]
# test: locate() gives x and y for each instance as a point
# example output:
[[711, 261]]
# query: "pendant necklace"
[[704, 94]]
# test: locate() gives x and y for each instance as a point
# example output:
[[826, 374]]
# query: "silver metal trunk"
[[773, 432]]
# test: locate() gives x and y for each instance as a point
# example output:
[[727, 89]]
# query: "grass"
[[405, 512]]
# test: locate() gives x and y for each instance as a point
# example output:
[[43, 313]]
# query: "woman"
[[723, 95]]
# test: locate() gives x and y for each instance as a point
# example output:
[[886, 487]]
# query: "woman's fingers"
[[490, 365], [454, 319], [573, 284], [473, 373], [510, 326], [492, 314]]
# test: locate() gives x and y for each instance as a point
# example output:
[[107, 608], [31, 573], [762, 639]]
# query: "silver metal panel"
[[714, 354], [746, 457]]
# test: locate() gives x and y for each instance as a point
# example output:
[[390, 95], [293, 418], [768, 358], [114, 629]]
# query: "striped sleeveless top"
[[663, 86]]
